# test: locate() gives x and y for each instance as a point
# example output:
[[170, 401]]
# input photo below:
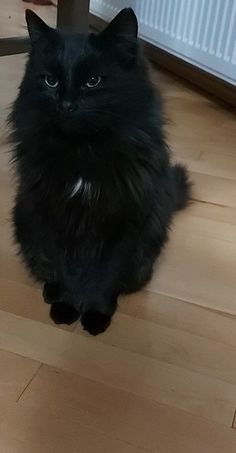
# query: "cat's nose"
[[67, 106]]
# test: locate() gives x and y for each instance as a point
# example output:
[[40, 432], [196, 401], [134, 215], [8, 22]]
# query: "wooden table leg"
[[72, 15], [14, 45]]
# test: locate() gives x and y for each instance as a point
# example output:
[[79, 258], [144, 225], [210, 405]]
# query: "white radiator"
[[202, 32]]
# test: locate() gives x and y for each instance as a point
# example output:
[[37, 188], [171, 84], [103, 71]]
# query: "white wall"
[[202, 32]]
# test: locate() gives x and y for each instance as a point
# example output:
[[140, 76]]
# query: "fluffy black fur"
[[90, 245]]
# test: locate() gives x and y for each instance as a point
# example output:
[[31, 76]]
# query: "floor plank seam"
[[217, 311], [211, 203], [234, 420], [29, 382]]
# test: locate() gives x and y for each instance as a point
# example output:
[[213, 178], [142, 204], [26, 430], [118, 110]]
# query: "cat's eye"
[[51, 81], [93, 81]]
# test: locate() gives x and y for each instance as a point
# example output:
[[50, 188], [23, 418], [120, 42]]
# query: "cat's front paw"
[[62, 313], [95, 322]]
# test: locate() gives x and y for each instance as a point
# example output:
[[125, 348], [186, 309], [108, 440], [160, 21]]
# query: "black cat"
[[96, 190]]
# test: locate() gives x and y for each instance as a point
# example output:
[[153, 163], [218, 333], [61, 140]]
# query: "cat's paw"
[[62, 313], [52, 292], [95, 322]]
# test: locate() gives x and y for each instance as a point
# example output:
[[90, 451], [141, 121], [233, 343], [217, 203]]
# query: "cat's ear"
[[124, 24], [36, 26], [121, 34]]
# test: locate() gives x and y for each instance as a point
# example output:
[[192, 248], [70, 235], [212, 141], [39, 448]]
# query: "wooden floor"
[[162, 379]]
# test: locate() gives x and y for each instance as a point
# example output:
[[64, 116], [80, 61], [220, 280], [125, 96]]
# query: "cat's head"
[[83, 83]]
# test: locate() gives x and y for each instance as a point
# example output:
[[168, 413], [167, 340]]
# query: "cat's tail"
[[183, 186]]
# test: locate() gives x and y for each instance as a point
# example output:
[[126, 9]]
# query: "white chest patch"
[[82, 188], [77, 187]]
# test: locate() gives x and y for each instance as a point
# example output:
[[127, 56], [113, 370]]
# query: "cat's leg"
[[96, 295], [69, 301], [126, 269], [61, 311], [98, 291], [118, 276], [53, 292], [97, 314], [129, 274], [95, 322], [38, 257]]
